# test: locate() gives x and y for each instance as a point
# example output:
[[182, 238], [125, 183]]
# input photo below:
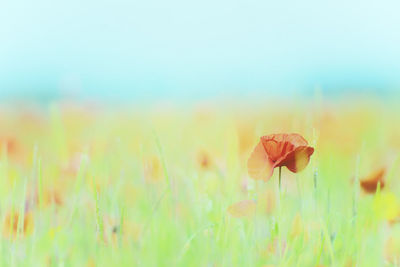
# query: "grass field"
[[89, 185]]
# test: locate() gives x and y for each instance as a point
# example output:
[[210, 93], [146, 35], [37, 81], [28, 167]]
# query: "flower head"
[[277, 150], [370, 183]]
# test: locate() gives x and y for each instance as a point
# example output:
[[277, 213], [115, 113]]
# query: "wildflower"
[[8, 145], [204, 160], [386, 206], [12, 147], [10, 226], [370, 183], [277, 150]]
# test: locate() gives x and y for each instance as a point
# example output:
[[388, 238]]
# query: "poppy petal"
[[298, 159], [273, 148], [297, 140], [279, 145], [370, 183], [259, 165]]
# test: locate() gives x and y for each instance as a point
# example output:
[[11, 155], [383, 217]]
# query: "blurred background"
[[174, 50]]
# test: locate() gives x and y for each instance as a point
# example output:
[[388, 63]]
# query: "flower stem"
[[280, 180], [280, 213]]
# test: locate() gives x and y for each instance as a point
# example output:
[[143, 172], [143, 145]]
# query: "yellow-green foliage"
[[89, 185]]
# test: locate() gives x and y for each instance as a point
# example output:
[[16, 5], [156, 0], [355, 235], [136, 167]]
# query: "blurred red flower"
[[370, 183], [8, 144], [277, 150]]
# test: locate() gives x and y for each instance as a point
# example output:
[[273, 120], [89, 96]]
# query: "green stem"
[[280, 213], [280, 179]]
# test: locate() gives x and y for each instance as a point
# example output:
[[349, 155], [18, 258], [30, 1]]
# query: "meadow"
[[93, 185]]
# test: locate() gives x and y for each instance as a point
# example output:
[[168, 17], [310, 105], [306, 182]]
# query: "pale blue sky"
[[153, 49]]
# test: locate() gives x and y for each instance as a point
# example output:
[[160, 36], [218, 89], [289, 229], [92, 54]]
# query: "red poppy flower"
[[370, 183], [277, 150]]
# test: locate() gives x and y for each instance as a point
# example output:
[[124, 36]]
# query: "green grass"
[[123, 187]]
